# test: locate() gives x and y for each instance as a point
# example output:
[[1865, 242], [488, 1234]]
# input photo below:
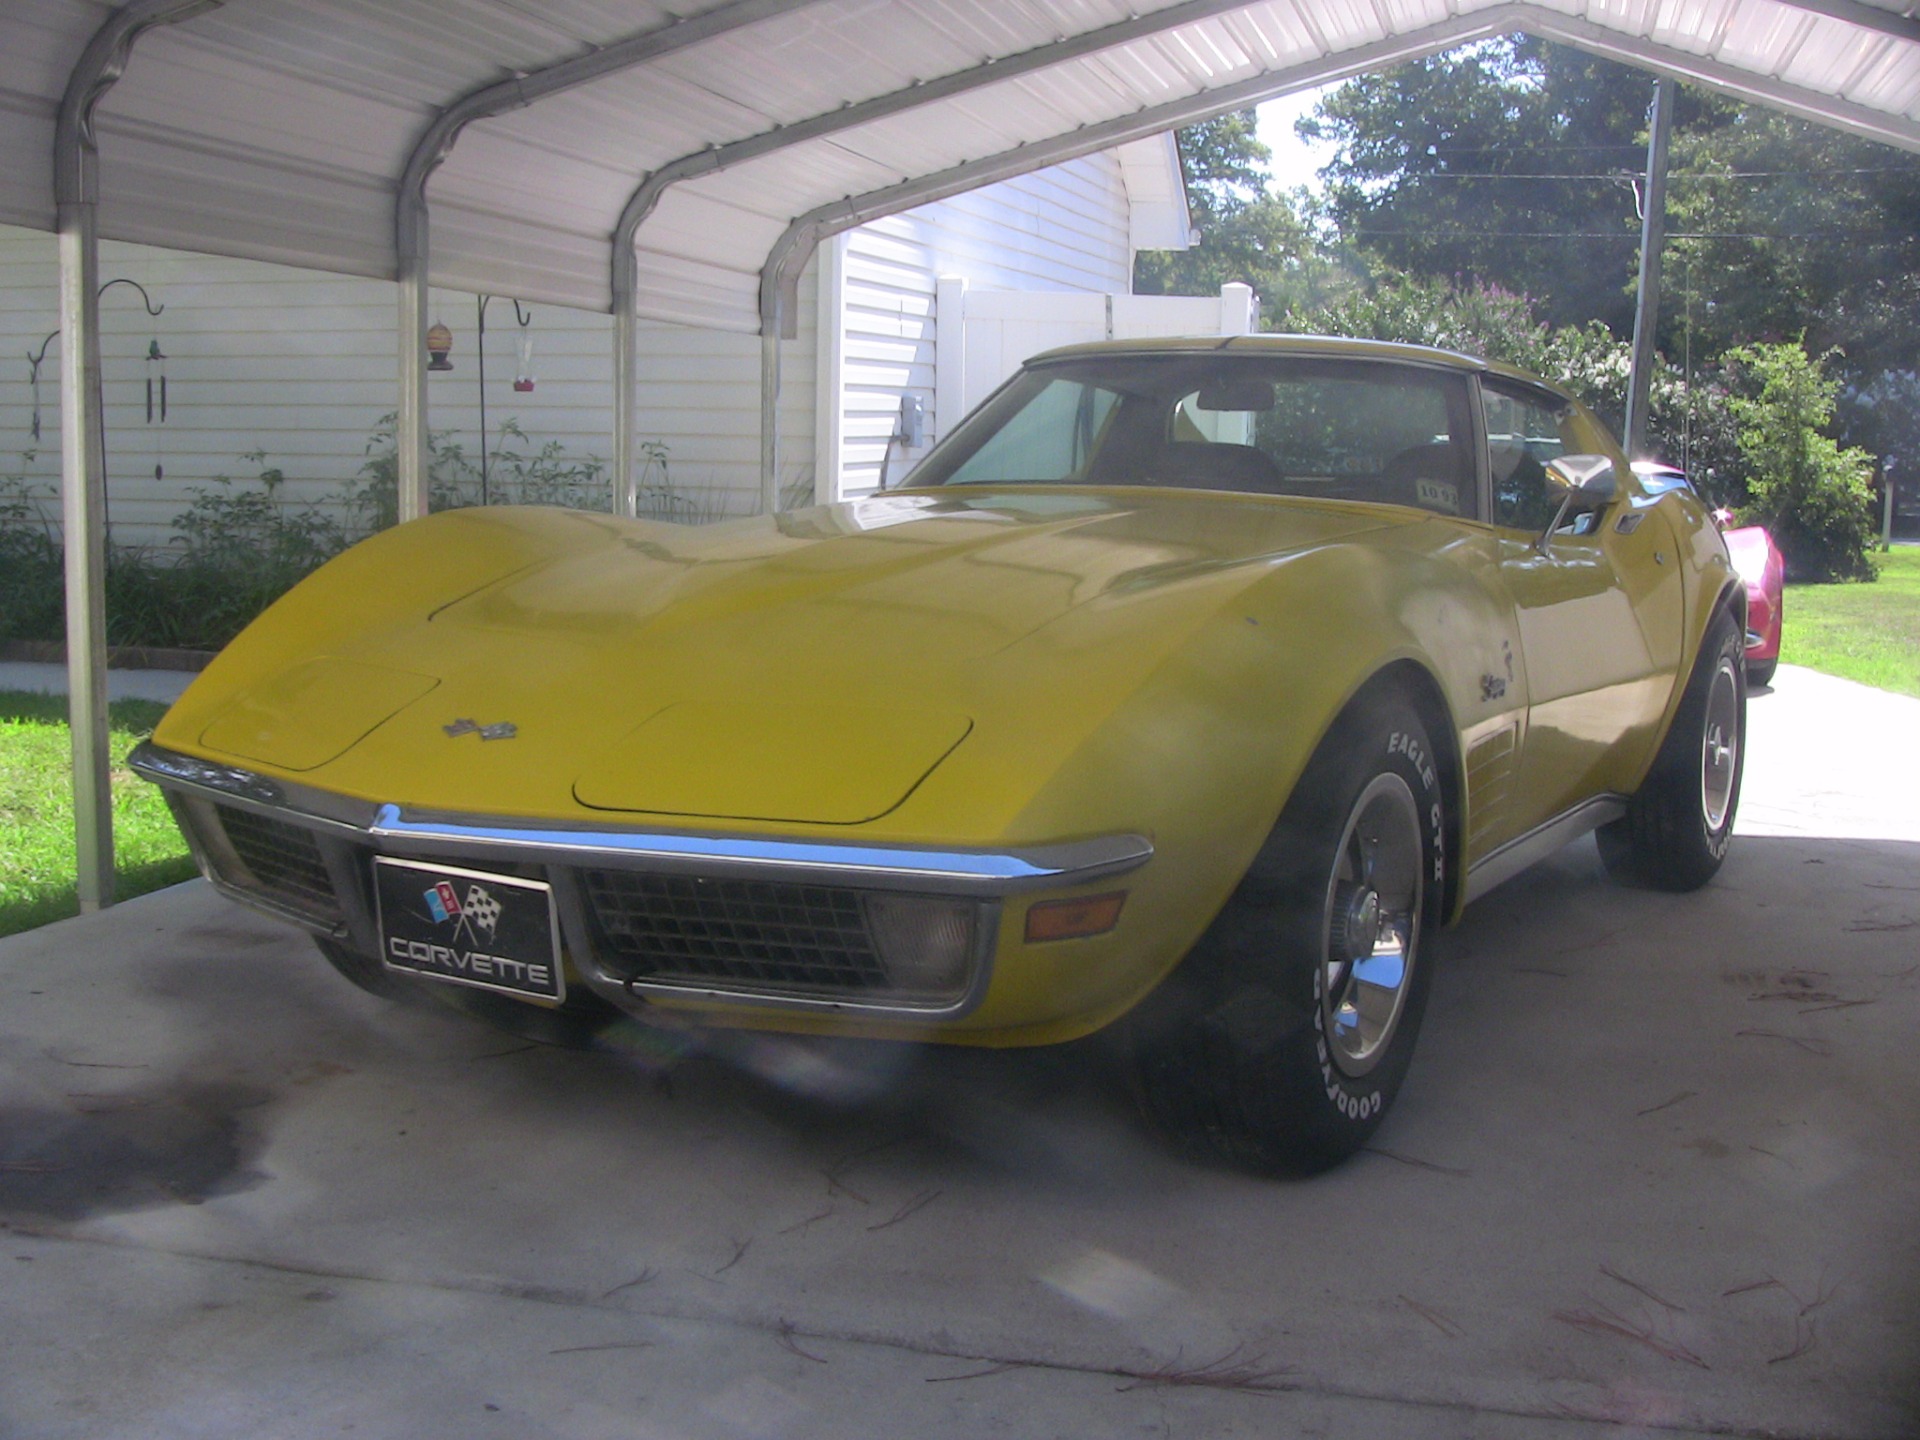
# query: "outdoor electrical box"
[[913, 422]]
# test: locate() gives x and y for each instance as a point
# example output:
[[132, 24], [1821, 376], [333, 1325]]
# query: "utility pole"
[[1653, 239]]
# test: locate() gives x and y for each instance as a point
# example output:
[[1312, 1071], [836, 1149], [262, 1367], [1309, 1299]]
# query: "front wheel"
[[1679, 823], [1284, 1036]]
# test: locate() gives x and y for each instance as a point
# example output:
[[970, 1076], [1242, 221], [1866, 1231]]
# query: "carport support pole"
[[772, 320], [626, 340], [626, 373], [83, 492], [1653, 239], [410, 428], [83, 478]]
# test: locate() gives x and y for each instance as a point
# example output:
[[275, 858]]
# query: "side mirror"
[[1590, 483], [1593, 476]]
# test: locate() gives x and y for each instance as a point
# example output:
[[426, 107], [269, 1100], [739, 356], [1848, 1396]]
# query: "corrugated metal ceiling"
[[277, 129]]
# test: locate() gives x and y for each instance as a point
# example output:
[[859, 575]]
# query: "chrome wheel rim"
[[1720, 745], [1371, 927]]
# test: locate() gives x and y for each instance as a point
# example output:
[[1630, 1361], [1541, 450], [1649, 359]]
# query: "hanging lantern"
[[523, 373], [439, 342]]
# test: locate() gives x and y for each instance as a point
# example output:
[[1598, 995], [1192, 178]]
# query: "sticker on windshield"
[[1438, 495]]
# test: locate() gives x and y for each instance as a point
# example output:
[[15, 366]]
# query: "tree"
[[1690, 420], [1507, 163], [1247, 233], [1802, 484]]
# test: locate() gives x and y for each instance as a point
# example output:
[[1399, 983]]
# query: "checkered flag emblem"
[[480, 912]]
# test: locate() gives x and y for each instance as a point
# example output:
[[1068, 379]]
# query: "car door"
[[1597, 608]]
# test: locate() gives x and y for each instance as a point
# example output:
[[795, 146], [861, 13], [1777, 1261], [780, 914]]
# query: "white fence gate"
[[983, 335]]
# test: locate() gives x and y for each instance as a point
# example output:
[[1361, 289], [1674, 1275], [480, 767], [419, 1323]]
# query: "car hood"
[[809, 668]]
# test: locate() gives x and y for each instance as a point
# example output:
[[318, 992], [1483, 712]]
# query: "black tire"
[[1760, 672], [1256, 1049], [1680, 821], [572, 1024]]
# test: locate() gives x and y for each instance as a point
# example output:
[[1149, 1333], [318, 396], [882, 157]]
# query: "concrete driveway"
[[1654, 1173]]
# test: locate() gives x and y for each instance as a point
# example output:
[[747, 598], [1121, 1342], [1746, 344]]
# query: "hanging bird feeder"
[[439, 342], [523, 345]]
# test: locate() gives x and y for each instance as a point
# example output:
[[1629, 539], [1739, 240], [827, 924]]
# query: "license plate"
[[496, 932]]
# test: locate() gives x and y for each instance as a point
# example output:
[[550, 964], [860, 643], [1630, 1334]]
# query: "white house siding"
[[1066, 228], [300, 365]]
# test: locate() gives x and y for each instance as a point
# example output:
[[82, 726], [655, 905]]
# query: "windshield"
[[1264, 424]]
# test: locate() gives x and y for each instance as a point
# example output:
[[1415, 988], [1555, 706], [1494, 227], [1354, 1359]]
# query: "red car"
[[1758, 561]]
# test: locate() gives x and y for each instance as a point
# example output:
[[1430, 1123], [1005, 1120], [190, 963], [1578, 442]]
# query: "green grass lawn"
[[1869, 633], [36, 811]]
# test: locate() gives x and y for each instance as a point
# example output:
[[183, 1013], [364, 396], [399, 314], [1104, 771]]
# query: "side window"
[[1525, 429]]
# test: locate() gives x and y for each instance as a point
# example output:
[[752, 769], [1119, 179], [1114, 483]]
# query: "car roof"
[[1328, 346]]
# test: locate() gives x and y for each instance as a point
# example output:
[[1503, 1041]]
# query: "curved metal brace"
[[1830, 110], [788, 257], [641, 204], [410, 238], [780, 277], [922, 92], [76, 158], [437, 140]]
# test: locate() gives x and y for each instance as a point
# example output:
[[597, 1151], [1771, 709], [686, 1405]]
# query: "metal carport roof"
[[681, 164], [281, 129]]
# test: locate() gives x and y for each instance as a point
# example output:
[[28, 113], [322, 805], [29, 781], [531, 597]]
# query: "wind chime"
[[157, 388], [156, 377]]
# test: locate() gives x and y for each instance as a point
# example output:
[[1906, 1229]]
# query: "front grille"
[[281, 861], [747, 934]]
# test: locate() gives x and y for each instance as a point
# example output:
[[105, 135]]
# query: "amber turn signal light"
[[1074, 919]]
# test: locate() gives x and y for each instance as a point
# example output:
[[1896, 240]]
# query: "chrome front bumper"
[[319, 848]]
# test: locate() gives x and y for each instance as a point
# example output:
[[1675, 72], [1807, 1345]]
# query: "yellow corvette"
[[1189, 685]]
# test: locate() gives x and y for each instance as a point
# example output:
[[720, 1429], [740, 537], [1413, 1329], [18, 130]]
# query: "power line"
[[1628, 176], [1859, 237]]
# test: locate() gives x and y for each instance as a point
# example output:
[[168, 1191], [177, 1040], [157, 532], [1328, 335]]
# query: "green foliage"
[[514, 474], [239, 545], [1786, 230], [1248, 234], [548, 476], [31, 584], [373, 501], [1496, 163], [1812, 493], [1688, 424], [1509, 163]]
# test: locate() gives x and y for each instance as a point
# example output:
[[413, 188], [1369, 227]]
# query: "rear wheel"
[[572, 1024], [1680, 822], [1284, 1036]]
